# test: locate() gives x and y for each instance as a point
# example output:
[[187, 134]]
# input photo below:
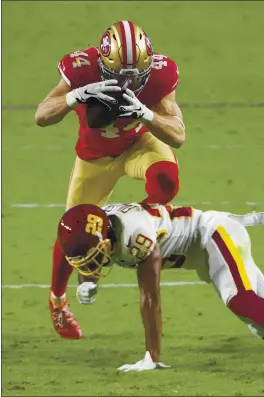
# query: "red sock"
[[248, 304], [162, 182], [61, 271]]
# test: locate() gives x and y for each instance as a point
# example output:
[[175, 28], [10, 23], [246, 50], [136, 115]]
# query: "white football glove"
[[135, 109], [143, 365], [85, 292], [94, 90]]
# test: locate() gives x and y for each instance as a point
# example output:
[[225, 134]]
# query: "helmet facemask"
[[95, 260], [135, 80]]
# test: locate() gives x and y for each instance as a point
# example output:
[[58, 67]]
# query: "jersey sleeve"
[[168, 74], [171, 77], [64, 69], [77, 68], [142, 243], [134, 230]]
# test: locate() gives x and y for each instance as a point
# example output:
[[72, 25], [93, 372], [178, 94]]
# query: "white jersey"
[[136, 230], [182, 233], [139, 228]]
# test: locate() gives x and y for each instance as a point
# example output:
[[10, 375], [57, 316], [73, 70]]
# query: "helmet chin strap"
[[99, 235]]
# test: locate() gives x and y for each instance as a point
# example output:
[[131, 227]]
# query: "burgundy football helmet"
[[83, 236]]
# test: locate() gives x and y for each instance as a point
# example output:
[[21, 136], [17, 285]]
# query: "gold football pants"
[[93, 181]]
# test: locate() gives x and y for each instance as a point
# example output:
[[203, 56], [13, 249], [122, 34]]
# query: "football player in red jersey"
[[138, 143]]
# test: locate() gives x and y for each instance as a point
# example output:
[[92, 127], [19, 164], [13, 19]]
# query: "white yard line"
[[188, 105], [212, 146], [34, 147], [35, 205], [56, 205], [163, 284]]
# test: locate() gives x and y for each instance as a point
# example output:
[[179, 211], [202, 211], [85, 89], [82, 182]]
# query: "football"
[[98, 115]]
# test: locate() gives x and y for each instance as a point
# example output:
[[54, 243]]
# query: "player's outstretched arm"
[[54, 107], [148, 274], [62, 99]]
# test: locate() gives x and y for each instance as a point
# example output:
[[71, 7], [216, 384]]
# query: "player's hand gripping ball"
[[99, 114]]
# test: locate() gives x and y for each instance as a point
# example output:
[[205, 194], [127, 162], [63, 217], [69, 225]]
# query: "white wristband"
[[71, 99], [148, 115]]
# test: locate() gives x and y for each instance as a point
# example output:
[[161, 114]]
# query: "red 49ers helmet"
[[83, 236], [125, 54]]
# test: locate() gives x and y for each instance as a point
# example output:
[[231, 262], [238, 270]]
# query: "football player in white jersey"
[[152, 237]]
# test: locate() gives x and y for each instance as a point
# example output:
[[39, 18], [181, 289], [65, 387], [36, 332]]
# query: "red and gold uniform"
[[81, 68], [125, 147]]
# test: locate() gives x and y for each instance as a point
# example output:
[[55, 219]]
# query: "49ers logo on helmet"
[[148, 45], [105, 45]]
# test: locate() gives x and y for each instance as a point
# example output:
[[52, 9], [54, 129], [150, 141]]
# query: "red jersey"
[[81, 68]]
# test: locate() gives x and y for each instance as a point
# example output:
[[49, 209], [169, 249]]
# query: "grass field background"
[[219, 49]]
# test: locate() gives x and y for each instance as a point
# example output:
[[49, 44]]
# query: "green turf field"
[[219, 49]]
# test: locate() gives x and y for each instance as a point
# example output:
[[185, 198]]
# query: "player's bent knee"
[[162, 182], [249, 305]]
